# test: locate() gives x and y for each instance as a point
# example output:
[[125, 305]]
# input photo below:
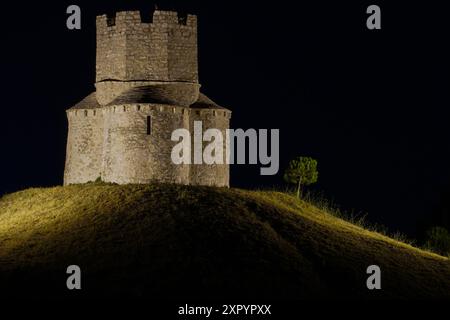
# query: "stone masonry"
[[146, 87]]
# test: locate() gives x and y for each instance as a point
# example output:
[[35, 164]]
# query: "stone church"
[[146, 87]]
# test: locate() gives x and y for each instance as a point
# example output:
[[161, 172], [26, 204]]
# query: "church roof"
[[149, 94], [163, 94], [203, 102], [159, 94], [90, 102]]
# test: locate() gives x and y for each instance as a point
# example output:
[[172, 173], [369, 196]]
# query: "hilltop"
[[172, 241]]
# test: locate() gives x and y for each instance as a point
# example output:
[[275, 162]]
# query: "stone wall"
[[130, 50], [132, 156], [112, 143], [111, 51], [182, 51], [210, 174], [84, 146]]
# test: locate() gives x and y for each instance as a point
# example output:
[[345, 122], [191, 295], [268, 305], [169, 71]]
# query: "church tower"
[[160, 50]]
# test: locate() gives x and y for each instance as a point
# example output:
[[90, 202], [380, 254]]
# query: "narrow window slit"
[[149, 125]]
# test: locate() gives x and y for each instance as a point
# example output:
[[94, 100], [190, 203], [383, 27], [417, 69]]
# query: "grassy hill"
[[170, 241]]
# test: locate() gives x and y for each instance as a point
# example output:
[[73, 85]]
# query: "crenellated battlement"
[[133, 18], [148, 108]]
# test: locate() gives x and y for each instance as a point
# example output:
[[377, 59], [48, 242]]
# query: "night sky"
[[370, 106]]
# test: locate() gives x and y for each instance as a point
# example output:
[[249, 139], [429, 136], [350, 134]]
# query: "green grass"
[[172, 241]]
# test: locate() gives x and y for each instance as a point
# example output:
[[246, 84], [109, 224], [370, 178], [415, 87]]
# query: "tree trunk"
[[298, 187]]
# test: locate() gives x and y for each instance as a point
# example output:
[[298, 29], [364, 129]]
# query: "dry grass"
[[166, 240]]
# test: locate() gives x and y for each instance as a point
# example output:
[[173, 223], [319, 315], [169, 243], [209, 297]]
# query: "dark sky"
[[370, 106]]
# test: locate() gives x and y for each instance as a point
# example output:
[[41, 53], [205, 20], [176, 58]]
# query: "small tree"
[[301, 171]]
